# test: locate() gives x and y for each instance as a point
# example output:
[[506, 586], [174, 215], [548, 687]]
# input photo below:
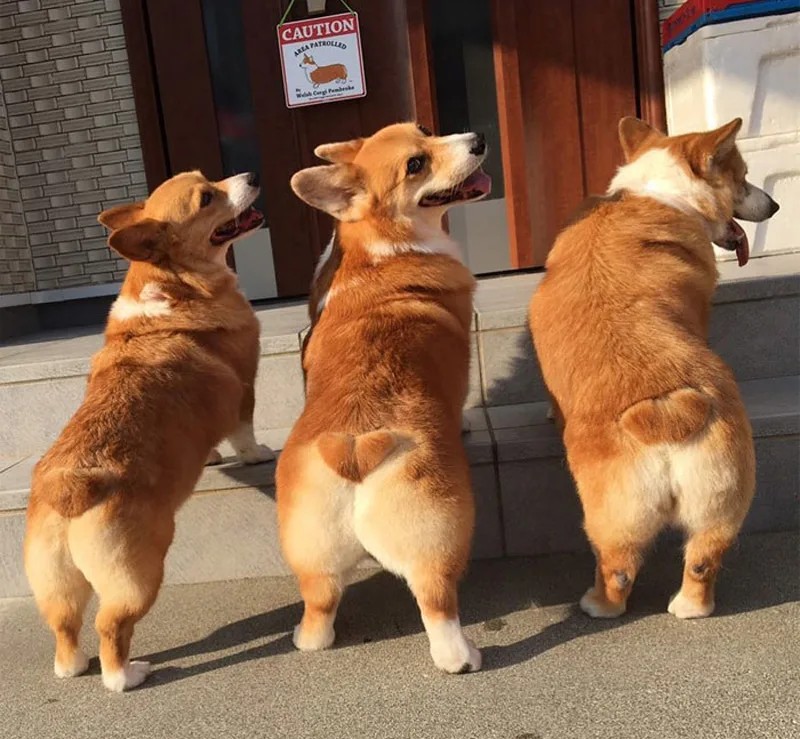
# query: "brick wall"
[[16, 270], [68, 114]]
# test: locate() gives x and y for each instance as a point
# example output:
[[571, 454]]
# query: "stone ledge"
[[500, 303], [498, 435]]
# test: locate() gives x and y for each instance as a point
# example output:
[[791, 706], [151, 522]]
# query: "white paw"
[[682, 607], [255, 454], [133, 674], [314, 642], [600, 607], [80, 663], [214, 457], [466, 425], [457, 658], [450, 649]]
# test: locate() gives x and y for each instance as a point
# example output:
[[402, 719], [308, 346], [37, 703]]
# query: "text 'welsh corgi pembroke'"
[[174, 377], [655, 430], [375, 465]]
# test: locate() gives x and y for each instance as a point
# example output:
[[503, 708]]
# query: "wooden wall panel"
[[511, 120], [184, 85], [145, 93], [551, 116], [652, 106], [606, 84]]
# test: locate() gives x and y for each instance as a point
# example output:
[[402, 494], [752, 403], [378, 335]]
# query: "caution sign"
[[321, 60]]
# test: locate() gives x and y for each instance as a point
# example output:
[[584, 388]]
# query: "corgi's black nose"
[[252, 179], [773, 208], [478, 144]]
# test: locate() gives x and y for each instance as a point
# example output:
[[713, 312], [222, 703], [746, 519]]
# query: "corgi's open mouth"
[[477, 185], [735, 239], [247, 220]]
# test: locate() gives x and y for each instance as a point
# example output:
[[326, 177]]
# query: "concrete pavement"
[[224, 665]]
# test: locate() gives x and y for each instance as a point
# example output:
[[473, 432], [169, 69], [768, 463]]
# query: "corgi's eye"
[[425, 131], [206, 198], [415, 164]]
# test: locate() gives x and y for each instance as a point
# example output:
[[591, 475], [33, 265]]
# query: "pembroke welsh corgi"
[[175, 376], [655, 430], [375, 465], [317, 75]]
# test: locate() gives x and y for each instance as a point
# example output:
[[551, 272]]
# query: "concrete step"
[[223, 651], [755, 327], [526, 503]]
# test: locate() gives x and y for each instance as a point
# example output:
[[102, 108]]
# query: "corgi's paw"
[[683, 607], [78, 665], [451, 651], [255, 454], [307, 640], [131, 675], [466, 425], [214, 457], [598, 606]]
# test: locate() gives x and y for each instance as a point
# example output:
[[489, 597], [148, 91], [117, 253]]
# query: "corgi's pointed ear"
[[723, 139], [121, 215], [142, 241], [337, 189], [633, 132], [339, 153]]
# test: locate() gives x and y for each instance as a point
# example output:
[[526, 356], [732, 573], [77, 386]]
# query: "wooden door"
[[566, 72]]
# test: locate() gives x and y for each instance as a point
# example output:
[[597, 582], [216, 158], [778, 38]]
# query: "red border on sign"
[[282, 43]]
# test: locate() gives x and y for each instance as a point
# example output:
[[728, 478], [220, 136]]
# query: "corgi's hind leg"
[[621, 518], [124, 562], [615, 572], [437, 598], [60, 590], [702, 562], [322, 593]]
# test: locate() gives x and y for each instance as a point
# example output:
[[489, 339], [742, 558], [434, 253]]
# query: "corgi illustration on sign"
[[322, 75], [321, 60]]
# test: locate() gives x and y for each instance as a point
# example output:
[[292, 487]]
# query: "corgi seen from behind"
[[655, 430], [174, 377], [375, 465]]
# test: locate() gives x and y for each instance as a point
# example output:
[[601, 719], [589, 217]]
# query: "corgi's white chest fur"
[[152, 303]]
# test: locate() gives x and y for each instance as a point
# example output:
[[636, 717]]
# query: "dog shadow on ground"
[[496, 594], [760, 572]]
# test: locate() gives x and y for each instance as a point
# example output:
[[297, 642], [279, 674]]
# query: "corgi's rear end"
[[655, 430]]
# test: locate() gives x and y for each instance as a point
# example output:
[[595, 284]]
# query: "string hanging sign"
[[321, 59]]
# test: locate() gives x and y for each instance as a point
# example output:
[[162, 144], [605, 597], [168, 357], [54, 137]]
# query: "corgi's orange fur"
[[375, 465], [174, 377], [655, 430]]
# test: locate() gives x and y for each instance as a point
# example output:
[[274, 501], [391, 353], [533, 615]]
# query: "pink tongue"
[[743, 250], [478, 180]]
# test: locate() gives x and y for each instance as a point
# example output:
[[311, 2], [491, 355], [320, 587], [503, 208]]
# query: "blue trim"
[[737, 12]]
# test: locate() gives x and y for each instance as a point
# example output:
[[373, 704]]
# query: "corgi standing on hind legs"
[[375, 465], [175, 376], [655, 431]]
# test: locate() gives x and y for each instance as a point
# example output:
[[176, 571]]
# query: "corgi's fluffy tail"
[[73, 491], [671, 418], [354, 457]]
